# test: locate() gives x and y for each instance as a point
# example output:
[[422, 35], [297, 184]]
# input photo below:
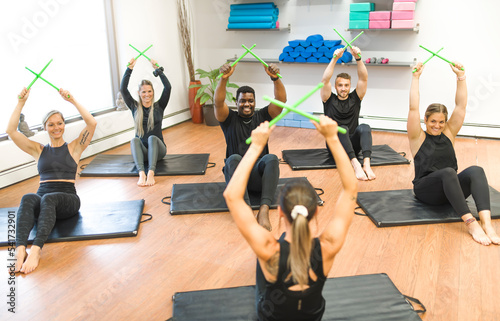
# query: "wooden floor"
[[135, 278]]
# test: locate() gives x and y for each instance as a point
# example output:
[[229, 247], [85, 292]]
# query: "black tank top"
[[56, 163], [436, 153], [295, 305]]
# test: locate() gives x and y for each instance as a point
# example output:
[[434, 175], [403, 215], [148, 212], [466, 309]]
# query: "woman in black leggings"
[[436, 180], [56, 197]]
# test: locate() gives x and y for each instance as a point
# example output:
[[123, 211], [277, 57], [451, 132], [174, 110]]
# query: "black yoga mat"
[[371, 297], [302, 159], [401, 207], [199, 198], [123, 165], [94, 221]]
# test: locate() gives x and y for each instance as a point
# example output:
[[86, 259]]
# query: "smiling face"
[[343, 87], [146, 93], [55, 126], [246, 104], [435, 123]]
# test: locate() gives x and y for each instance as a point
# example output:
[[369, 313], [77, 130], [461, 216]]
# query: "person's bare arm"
[[221, 109]]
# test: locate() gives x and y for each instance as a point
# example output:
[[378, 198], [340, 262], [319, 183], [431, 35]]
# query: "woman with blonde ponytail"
[[148, 144], [291, 271]]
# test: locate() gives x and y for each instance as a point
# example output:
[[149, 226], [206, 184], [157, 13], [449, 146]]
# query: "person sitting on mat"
[[237, 127], [148, 144], [56, 197], [436, 180], [344, 108], [291, 271]]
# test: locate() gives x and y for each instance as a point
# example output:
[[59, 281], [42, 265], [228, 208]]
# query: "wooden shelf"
[[276, 61]]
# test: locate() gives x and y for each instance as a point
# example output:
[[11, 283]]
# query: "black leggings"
[[446, 186], [361, 140], [263, 178], [53, 200]]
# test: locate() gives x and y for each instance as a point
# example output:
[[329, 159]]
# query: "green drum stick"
[[439, 56], [38, 76], [258, 58], [433, 55], [347, 42], [241, 57], [141, 53]]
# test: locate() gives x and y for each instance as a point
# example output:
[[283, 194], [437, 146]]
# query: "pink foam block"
[[380, 15], [402, 24], [398, 6], [379, 24], [403, 15], [405, 0]]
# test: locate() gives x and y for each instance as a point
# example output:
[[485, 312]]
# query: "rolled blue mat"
[[346, 57], [329, 54], [294, 43], [283, 56], [317, 44], [331, 43], [314, 38], [254, 12], [306, 54], [294, 54], [300, 59], [243, 6], [287, 49], [299, 49], [323, 60], [288, 59], [323, 49], [251, 25], [318, 54], [238, 19], [305, 43], [312, 59], [311, 49]]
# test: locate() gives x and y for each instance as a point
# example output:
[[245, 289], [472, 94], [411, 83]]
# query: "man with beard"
[[344, 108], [237, 127]]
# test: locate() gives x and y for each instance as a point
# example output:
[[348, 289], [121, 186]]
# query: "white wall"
[[466, 29]]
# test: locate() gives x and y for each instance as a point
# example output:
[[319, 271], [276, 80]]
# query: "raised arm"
[[362, 73], [167, 87], [78, 145], [279, 89], [221, 109], [260, 240], [334, 235], [415, 133], [326, 90], [127, 97], [26, 145], [457, 117]]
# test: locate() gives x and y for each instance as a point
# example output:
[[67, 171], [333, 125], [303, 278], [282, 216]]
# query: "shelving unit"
[[276, 61]]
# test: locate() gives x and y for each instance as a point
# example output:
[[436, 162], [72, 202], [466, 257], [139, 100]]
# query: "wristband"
[[357, 59], [274, 79], [461, 78]]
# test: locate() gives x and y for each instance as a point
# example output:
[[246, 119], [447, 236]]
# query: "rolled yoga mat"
[[254, 12], [252, 25], [246, 6], [240, 19]]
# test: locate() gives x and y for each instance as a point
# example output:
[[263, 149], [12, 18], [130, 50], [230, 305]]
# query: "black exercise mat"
[[123, 165], [94, 221], [302, 159], [196, 198], [401, 207], [371, 297]]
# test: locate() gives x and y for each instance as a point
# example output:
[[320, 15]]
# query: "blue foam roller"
[[238, 19], [244, 6], [251, 25], [323, 60], [317, 44], [300, 59], [294, 43], [254, 12], [305, 43], [299, 49], [331, 43], [346, 57], [288, 59], [311, 49], [312, 59], [329, 54], [314, 38], [318, 54], [323, 49], [283, 55], [306, 54], [287, 49], [294, 54]]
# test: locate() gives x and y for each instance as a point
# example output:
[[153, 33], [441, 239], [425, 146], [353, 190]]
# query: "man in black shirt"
[[238, 126], [344, 109]]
